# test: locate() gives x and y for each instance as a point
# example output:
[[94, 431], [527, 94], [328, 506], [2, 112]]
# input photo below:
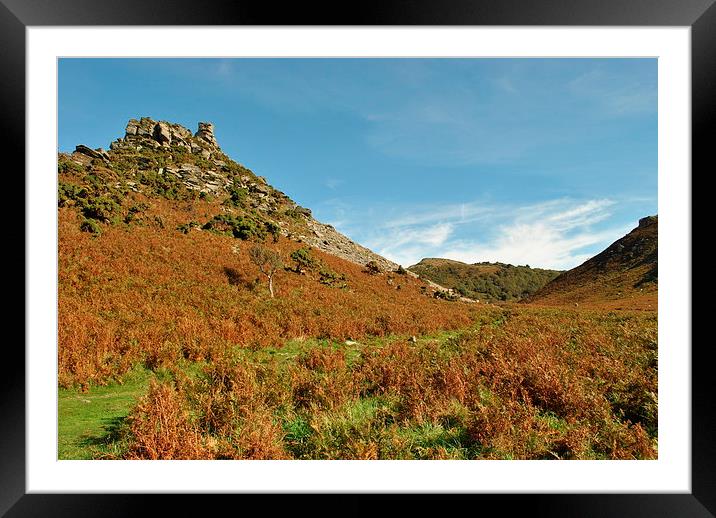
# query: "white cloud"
[[558, 234]]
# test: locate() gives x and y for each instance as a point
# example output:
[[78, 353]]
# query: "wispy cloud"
[[617, 96], [557, 234]]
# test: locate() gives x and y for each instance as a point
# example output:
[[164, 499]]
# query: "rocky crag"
[[167, 159]]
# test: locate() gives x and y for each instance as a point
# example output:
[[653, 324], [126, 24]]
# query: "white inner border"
[[670, 473]]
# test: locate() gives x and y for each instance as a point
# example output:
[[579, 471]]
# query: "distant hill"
[[625, 275], [484, 281]]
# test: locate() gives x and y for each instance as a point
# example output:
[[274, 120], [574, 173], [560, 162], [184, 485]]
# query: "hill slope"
[[154, 257], [160, 298], [625, 275], [165, 160], [484, 281]]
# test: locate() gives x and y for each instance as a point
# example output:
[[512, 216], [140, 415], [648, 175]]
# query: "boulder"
[[162, 133], [180, 132], [206, 133], [88, 151], [302, 211], [132, 127]]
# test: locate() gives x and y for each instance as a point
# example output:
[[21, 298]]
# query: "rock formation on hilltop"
[[160, 158]]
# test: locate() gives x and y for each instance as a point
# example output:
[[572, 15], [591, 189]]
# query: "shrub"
[[446, 295], [67, 192], [241, 227], [66, 166], [90, 226], [273, 229], [303, 259], [332, 279], [102, 208], [186, 227], [372, 268], [237, 195], [134, 212]]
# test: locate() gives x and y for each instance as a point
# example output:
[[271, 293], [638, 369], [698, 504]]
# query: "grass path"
[[87, 423]]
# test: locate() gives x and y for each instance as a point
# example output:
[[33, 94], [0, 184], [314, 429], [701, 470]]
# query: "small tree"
[[268, 262]]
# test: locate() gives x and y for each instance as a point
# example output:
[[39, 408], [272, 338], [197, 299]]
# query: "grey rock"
[[88, 151], [162, 133], [132, 127], [206, 133]]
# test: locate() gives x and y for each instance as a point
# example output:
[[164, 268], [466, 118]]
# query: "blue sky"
[[527, 161]]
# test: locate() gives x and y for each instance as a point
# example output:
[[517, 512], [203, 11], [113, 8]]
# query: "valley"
[[172, 343]]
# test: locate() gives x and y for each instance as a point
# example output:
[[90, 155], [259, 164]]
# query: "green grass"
[[89, 424]]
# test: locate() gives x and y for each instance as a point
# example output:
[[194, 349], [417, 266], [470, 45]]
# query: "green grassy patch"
[[90, 424]]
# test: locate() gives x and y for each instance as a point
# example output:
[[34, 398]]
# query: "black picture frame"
[[700, 15]]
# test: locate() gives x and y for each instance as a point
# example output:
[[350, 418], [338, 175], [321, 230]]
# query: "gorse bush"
[[240, 227], [67, 193], [237, 195], [372, 268], [102, 208], [305, 262], [303, 259], [332, 278], [90, 226]]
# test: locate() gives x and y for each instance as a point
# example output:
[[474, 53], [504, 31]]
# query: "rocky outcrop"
[[198, 179], [328, 239], [216, 174], [155, 134], [92, 153], [206, 133], [162, 134], [649, 220]]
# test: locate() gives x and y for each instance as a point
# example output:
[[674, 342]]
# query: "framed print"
[[456, 293]]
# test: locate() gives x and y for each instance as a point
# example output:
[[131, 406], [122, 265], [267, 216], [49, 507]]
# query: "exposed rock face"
[[132, 127], [206, 133], [92, 153], [150, 133], [195, 178], [326, 238], [220, 175], [162, 134]]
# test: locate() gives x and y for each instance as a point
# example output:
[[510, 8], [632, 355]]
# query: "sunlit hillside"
[[204, 314]]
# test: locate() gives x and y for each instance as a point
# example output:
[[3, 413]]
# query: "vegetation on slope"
[[485, 281], [625, 275], [143, 293], [519, 383], [166, 316]]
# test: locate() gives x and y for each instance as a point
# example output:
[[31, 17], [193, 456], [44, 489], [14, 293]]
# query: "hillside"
[[203, 314], [625, 275], [164, 160], [484, 281], [155, 237]]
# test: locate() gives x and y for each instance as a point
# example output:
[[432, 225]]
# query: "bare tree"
[[268, 262]]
